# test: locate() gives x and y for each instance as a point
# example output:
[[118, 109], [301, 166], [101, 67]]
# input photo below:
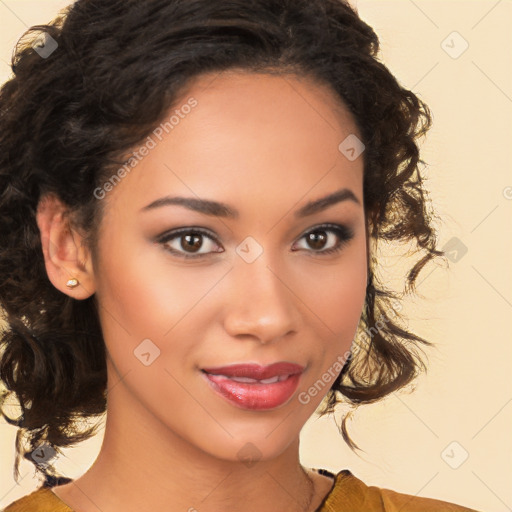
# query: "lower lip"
[[254, 396]]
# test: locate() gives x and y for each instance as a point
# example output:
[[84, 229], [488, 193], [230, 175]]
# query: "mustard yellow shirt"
[[348, 494]]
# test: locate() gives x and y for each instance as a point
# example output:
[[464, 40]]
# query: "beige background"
[[466, 396]]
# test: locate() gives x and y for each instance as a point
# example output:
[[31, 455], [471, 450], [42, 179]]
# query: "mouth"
[[256, 372], [255, 387], [248, 380]]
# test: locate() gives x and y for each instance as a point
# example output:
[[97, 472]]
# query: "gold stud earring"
[[72, 282]]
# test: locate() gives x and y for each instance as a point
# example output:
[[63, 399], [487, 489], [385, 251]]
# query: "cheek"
[[130, 293], [336, 293], [142, 295], [139, 286]]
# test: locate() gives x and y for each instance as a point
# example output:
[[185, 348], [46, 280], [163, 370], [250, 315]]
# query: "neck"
[[144, 465]]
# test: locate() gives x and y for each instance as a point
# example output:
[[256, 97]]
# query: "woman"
[[190, 192]]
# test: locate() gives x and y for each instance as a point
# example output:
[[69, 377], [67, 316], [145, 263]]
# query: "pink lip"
[[255, 371], [255, 395]]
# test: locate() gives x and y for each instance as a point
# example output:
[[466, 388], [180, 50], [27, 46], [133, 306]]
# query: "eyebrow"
[[217, 209]]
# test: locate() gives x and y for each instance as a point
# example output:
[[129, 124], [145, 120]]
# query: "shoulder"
[[41, 500], [351, 494]]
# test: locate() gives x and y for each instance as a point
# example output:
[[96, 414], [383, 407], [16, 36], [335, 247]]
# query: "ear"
[[65, 254]]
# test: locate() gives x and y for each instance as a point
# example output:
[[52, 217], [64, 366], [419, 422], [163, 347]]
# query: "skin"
[[265, 145]]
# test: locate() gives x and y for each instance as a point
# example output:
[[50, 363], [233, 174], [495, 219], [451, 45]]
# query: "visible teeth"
[[242, 379], [272, 380]]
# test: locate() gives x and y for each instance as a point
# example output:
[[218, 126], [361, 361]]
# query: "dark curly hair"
[[111, 72]]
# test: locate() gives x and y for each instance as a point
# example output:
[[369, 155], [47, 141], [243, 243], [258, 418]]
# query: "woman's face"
[[239, 271]]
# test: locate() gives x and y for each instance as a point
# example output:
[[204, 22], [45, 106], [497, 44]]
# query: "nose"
[[260, 303]]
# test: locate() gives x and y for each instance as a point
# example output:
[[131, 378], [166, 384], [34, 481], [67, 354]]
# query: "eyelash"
[[344, 233]]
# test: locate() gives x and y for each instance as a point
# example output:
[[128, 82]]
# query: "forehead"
[[247, 134], [268, 99]]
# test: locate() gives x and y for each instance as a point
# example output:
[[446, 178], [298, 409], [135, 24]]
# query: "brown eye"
[[317, 239], [327, 239], [192, 242], [186, 243]]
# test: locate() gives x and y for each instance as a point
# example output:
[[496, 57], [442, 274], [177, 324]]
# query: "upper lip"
[[256, 371]]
